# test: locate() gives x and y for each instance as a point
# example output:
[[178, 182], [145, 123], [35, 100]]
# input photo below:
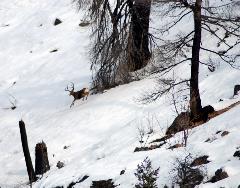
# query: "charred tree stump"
[[41, 159], [28, 160]]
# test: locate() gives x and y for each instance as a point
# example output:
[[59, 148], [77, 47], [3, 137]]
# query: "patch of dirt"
[[103, 184], [200, 161], [219, 175], [176, 146]]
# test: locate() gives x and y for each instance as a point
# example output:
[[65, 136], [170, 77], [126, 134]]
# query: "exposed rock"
[[137, 149], [200, 161], [224, 133], [60, 164], [206, 111], [122, 172], [210, 140], [236, 89], [237, 154], [219, 175], [57, 21], [181, 122], [103, 184], [211, 68], [66, 147], [163, 139], [84, 24], [54, 50], [154, 147], [176, 146]]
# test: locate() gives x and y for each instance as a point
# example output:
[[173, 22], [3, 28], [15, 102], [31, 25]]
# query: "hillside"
[[101, 133]]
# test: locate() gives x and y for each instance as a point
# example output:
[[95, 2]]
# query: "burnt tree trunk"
[[138, 43], [41, 159], [195, 100], [28, 160]]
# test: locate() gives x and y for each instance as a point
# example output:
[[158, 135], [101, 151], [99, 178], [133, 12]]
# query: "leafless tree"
[[121, 40], [221, 20], [138, 43]]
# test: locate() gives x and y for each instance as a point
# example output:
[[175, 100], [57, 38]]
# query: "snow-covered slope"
[[102, 132]]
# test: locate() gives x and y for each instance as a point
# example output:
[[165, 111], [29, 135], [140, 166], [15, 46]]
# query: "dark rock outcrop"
[[236, 89], [122, 172], [54, 50], [200, 161], [237, 154], [181, 122], [219, 175], [84, 24], [206, 110], [176, 146], [60, 164], [57, 21], [224, 133], [103, 184], [184, 120]]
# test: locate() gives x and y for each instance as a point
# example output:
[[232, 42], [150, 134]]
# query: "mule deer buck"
[[82, 94]]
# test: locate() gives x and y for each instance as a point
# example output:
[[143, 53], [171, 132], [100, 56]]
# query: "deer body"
[[82, 94]]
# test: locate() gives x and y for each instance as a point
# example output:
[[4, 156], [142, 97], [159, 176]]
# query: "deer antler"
[[67, 89]]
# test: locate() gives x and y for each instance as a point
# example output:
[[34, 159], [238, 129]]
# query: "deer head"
[[71, 92]]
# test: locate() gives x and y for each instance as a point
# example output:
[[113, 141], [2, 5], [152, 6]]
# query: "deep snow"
[[101, 132]]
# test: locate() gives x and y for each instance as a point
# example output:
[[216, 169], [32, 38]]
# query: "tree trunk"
[[138, 44], [195, 100], [28, 160]]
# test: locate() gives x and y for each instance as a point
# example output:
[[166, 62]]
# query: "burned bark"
[[28, 160], [138, 43], [41, 159], [195, 100]]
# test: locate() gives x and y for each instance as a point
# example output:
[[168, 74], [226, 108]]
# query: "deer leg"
[[72, 103]]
